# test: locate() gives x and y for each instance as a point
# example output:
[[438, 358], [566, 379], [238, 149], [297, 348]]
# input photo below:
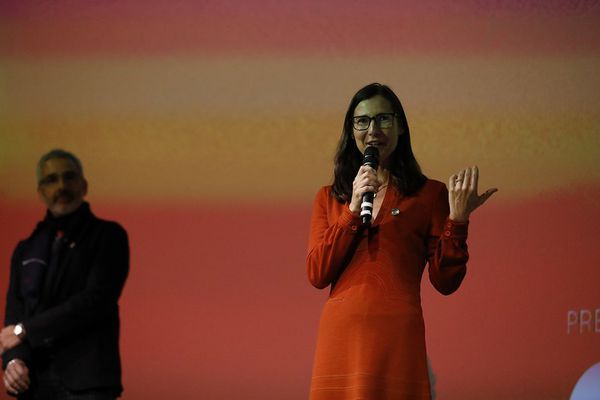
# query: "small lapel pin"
[[71, 245], [395, 211]]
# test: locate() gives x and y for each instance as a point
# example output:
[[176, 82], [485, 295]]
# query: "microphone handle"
[[370, 158], [366, 208]]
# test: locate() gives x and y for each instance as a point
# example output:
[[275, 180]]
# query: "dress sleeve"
[[447, 247], [329, 243]]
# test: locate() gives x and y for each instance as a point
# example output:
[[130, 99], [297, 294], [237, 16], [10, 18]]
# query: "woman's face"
[[375, 124]]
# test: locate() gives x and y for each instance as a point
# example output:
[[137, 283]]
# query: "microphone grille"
[[371, 156]]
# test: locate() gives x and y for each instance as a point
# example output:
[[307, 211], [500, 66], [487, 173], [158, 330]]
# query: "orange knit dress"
[[371, 342]]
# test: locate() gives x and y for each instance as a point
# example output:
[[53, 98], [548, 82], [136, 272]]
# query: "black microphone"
[[370, 158]]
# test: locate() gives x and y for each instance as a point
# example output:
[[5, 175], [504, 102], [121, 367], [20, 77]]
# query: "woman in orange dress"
[[371, 342]]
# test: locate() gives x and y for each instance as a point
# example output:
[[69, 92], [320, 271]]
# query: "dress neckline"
[[384, 205]]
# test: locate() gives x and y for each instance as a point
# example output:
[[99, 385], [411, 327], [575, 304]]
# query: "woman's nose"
[[373, 127]]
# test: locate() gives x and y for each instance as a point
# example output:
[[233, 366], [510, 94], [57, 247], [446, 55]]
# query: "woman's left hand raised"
[[462, 194]]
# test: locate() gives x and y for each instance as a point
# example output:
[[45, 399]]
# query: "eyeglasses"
[[383, 120]]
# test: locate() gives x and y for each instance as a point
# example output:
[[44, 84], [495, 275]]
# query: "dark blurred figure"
[[61, 330]]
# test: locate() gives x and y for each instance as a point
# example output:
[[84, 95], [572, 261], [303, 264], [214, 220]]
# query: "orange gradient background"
[[206, 128]]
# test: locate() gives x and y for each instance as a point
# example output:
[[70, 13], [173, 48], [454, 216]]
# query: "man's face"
[[62, 186]]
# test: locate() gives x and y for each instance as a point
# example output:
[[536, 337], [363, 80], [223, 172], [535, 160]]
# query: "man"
[[61, 331]]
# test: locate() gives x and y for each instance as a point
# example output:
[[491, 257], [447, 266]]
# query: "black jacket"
[[75, 322]]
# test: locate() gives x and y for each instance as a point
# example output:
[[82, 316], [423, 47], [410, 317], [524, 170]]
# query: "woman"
[[371, 342]]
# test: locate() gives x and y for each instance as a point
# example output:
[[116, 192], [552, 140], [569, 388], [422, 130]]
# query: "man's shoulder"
[[23, 241], [108, 226], [21, 245]]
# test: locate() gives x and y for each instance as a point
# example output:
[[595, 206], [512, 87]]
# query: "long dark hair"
[[405, 171]]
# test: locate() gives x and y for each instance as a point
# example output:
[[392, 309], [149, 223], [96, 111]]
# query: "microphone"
[[370, 158]]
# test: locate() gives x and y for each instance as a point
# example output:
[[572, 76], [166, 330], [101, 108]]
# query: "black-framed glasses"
[[383, 120]]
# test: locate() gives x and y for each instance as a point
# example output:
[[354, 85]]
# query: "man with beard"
[[61, 331]]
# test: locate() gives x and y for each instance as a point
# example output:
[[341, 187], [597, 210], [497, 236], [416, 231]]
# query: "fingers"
[[460, 181], [486, 195], [16, 377], [455, 181], [366, 181], [16, 380], [463, 197], [474, 178], [10, 385], [366, 170], [466, 178], [451, 181]]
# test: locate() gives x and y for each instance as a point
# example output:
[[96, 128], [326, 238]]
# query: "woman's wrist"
[[459, 218]]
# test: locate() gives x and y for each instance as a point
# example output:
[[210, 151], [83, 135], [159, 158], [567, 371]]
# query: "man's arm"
[[11, 346], [99, 298]]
